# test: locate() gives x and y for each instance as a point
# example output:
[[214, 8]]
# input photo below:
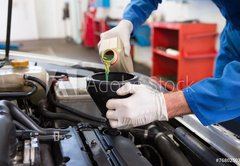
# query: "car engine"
[[47, 118]]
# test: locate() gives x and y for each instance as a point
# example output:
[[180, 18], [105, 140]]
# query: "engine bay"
[[48, 118]]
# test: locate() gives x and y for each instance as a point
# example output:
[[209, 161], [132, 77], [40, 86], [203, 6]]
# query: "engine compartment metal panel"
[[217, 136], [74, 149]]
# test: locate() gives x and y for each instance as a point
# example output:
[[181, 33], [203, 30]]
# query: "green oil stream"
[[107, 62]]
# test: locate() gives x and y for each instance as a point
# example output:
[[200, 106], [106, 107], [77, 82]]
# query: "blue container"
[[12, 46], [103, 3]]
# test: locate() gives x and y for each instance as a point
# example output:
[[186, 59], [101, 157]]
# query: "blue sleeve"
[[138, 11], [230, 10], [214, 100]]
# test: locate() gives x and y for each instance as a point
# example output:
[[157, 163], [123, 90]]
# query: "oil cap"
[[19, 63]]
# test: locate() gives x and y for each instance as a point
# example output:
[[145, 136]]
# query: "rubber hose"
[[62, 106], [4, 95], [154, 150], [37, 80], [204, 153], [19, 125], [169, 150], [172, 154], [63, 116], [8, 141], [18, 115], [46, 154], [166, 147]]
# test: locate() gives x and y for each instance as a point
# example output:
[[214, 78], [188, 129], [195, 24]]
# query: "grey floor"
[[66, 49]]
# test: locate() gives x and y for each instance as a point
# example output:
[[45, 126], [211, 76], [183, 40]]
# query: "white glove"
[[123, 30], [142, 107]]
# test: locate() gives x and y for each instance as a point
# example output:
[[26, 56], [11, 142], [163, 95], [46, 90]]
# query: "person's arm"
[[176, 104], [144, 106], [214, 100], [138, 11], [134, 15]]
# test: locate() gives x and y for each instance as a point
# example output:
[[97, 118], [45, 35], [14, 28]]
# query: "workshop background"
[[71, 28]]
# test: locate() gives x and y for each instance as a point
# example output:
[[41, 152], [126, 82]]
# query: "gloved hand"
[[142, 107], [123, 30]]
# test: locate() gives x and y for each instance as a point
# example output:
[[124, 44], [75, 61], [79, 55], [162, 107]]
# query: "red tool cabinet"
[[195, 43], [87, 29], [99, 27], [92, 29]]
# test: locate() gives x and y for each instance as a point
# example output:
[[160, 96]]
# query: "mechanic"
[[212, 100]]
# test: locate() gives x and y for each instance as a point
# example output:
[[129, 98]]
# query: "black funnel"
[[101, 90]]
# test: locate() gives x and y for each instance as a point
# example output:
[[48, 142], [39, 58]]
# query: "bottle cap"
[[19, 63]]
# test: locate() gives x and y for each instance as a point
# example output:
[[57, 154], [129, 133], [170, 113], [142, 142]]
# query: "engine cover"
[[88, 146]]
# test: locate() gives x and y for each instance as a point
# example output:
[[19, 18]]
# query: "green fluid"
[[107, 63]]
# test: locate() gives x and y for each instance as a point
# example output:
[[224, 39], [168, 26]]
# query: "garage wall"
[[116, 9], [33, 19], [40, 19], [24, 25], [49, 18], [75, 19]]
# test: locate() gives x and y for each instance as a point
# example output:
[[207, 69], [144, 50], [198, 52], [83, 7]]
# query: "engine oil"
[[107, 59], [113, 57]]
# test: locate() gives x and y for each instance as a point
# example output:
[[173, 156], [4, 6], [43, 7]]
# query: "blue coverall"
[[216, 99]]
